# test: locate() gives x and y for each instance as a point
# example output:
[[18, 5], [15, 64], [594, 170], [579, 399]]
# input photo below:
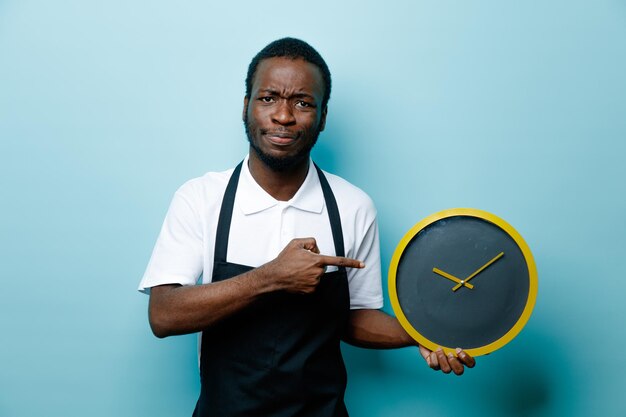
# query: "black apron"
[[280, 356]]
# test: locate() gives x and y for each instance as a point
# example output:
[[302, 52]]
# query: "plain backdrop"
[[517, 108]]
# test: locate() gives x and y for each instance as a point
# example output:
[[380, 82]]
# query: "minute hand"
[[479, 270]]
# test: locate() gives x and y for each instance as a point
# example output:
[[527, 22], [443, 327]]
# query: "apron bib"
[[280, 356]]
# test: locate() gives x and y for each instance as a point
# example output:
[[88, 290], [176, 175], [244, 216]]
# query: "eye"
[[304, 104], [266, 99]]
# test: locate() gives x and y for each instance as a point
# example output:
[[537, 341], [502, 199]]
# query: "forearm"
[[377, 330], [297, 269], [176, 310]]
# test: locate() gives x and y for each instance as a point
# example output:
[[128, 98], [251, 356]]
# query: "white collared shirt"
[[261, 227]]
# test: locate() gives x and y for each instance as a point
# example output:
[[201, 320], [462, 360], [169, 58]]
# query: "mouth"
[[280, 138]]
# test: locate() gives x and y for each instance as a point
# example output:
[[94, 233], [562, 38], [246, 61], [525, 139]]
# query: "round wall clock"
[[463, 278]]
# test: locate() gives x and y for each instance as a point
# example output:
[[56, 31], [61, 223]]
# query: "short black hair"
[[294, 49]]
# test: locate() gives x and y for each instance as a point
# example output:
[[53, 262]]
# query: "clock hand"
[[479, 270], [452, 278]]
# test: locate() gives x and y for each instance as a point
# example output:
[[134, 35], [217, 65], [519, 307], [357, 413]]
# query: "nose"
[[283, 113]]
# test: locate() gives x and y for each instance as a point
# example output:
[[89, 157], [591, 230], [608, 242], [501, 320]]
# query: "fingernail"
[[362, 265], [459, 350]]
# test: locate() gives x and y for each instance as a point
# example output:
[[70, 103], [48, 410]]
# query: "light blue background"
[[517, 108]]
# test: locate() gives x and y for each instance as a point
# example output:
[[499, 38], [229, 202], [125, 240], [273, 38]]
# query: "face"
[[283, 117]]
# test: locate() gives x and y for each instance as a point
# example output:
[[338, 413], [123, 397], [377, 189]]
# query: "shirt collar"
[[252, 198]]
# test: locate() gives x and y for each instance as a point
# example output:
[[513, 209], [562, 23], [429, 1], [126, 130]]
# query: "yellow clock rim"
[[492, 218]]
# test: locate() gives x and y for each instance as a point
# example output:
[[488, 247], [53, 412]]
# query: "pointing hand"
[[299, 266]]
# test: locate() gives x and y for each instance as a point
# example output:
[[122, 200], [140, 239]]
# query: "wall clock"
[[463, 278]]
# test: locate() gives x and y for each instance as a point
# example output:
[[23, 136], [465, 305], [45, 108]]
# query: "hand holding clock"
[[377, 329], [438, 360]]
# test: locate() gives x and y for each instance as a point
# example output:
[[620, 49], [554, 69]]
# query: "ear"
[[245, 109], [323, 119]]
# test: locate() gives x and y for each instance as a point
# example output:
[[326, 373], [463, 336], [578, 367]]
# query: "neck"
[[282, 185]]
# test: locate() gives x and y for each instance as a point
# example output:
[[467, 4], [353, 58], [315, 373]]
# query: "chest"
[[258, 238]]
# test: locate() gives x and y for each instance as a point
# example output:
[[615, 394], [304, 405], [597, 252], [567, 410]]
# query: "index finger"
[[340, 261]]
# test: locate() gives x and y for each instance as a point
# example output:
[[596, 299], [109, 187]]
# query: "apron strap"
[[226, 214], [228, 202], [333, 214]]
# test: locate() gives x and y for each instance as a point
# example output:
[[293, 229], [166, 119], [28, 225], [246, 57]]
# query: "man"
[[288, 255]]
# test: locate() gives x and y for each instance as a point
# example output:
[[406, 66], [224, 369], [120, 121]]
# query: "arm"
[[176, 309], [375, 329], [378, 330]]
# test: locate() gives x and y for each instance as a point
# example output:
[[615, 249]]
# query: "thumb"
[[310, 244]]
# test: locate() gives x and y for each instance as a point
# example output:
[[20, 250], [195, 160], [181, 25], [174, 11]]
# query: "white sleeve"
[[177, 255], [365, 284]]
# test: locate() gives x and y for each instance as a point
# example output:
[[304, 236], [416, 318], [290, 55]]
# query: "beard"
[[283, 163]]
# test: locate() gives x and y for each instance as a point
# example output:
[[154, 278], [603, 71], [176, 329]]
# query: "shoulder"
[[350, 198], [207, 188]]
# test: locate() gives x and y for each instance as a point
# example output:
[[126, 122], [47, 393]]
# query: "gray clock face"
[[482, 309]]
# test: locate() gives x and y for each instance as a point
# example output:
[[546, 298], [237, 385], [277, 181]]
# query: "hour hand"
[[452, 278]]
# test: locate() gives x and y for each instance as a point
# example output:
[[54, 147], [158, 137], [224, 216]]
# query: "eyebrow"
[[276, 92]]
